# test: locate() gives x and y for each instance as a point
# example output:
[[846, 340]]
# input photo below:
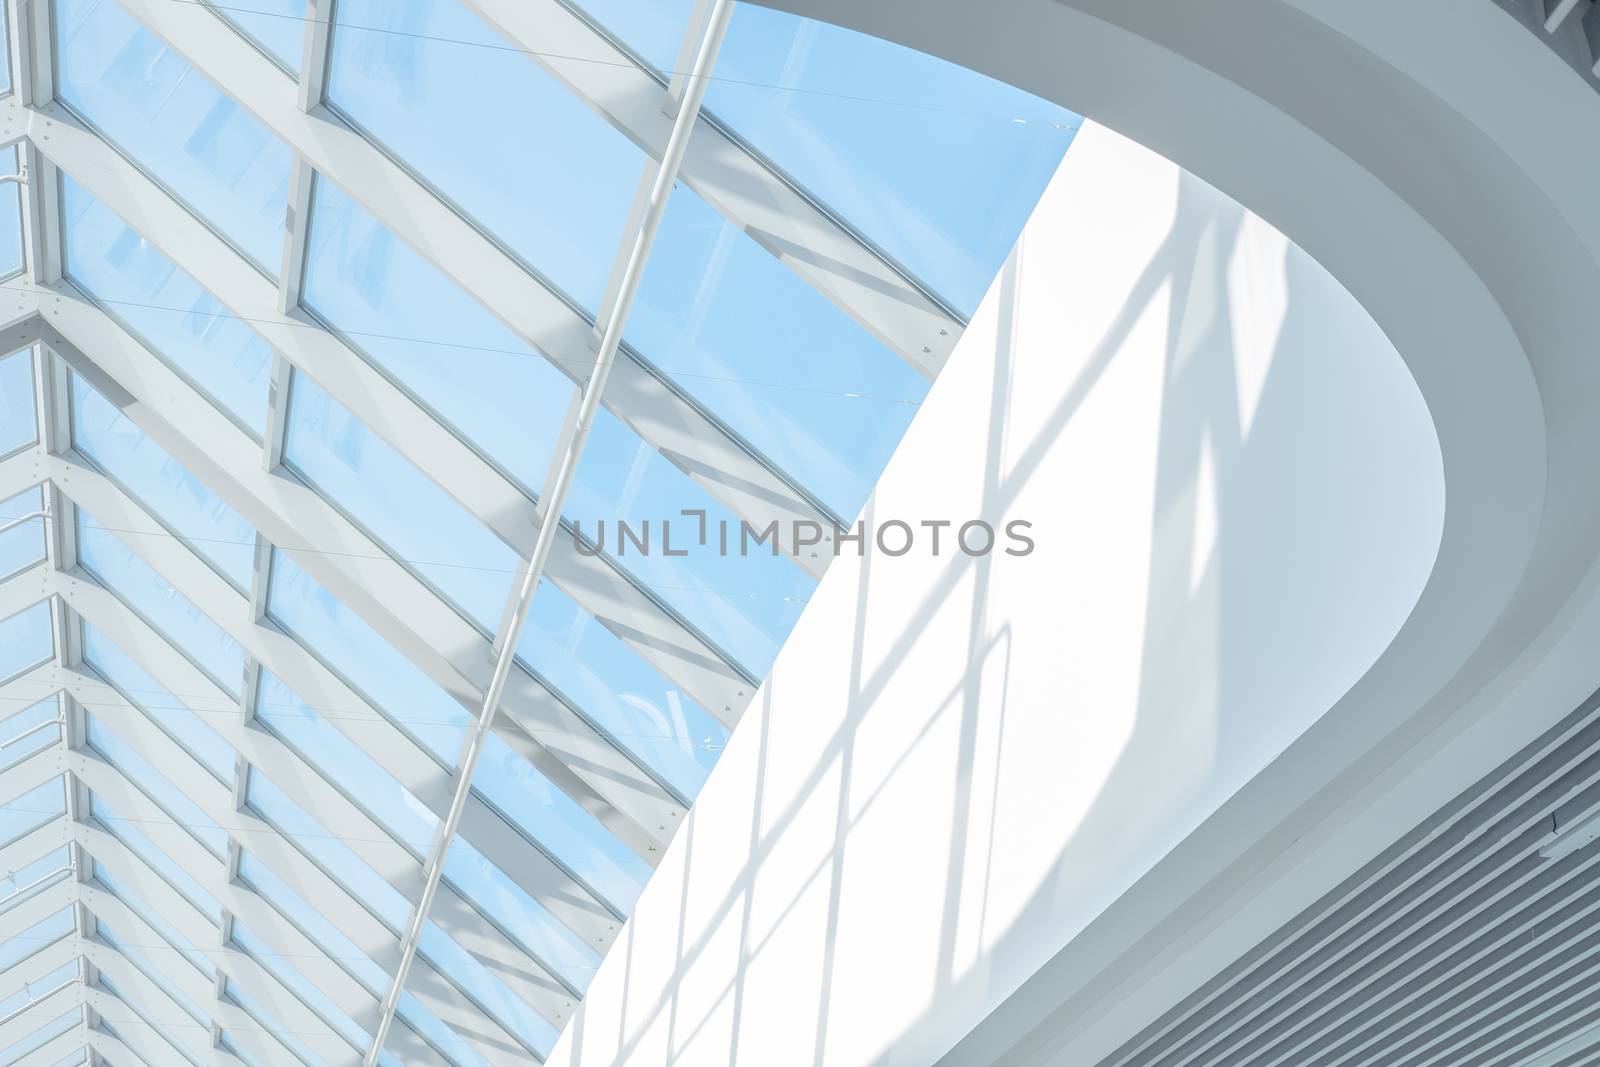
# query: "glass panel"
[[186, 507], [38, 987], [373, 289], [504, 778], [133, 580], [12, 729], [160, 1030], [23, 545], [5, 57], [152, 972], [559, 191], [31, 810], [424, 526], [270, 1023], [25, 640], [653, 28], [367, 886], [72, 1059], [164, 307], [937, 164], [10, 214], [771, 356], [174, 123], [315, 999], [277, 27], [158, 787], [15, 884], [127, 831], [46, 1033], [47, 931], [197, 959], [343, 951], [146, 694], [17, 427], [412, 823]]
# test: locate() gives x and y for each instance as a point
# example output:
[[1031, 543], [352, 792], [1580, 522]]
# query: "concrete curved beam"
[[1433, 157]]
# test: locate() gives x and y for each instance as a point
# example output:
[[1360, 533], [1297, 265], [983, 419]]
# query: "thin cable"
[[456, 346], [490, 46]]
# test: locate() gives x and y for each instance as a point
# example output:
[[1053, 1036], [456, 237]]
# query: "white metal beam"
[[342, 558], [706, 451], [569, 452], [767, 207], [315, 53], [40, 1014], [52, 1052]]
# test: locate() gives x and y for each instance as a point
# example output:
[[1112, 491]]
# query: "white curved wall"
[[1237, 497]]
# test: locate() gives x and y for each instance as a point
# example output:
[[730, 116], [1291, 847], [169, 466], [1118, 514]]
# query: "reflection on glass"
[[25, 640], [158, 787], [17, 427], [149, 101], [164, 307], [10, 211], [135, 582], [197, 515], [501, 395], [277, 27], [156, 921], [127, 831], [566, 646], [772, 357], [32, 809], [937, 164], [269, 1022], [146, 694], [384, 901], [14, 728], [40, 935], [504, 778], [413, 824], [314, 998], [563, 178], [23, 545], [153, 973], [654, 29], [343, 951]]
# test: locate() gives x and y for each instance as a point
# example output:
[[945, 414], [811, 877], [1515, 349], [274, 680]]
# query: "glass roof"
[[283, 618]]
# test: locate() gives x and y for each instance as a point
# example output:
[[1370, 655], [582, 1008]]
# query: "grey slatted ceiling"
[[1460, 946]]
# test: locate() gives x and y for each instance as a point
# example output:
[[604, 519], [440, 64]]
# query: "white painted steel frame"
[[249, 476]]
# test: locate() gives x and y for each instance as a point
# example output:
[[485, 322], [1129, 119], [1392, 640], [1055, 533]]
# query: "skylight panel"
[[183, 504], [653, 29], [128, 832], [419, 523], [559, 190], [164, 307], [155, 920], [413, 824], [10, 214], [18, 428], [277, 27], [111, 561], [151, 103], [386, 902], [23, 545], [505, 398], [25, 640], [938, 165], [160, 1029], [26, 731], [72, 1059], [770, 356], [42, 1036], [505, 779], [41, 935], [145, 967], [186, 727], [20, 884], [39, 986], [28, 811], [157, 786], [269, 1022]]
